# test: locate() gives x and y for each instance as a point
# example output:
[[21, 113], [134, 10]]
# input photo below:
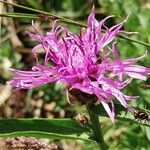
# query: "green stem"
[[66, 20], [135, 41], [46, 13], [97, 129]]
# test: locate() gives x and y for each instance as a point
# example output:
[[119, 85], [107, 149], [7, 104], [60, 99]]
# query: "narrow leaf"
[[45, 128], [19, 15]]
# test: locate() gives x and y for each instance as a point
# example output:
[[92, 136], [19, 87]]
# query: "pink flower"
[[121, 68], [81, 62]]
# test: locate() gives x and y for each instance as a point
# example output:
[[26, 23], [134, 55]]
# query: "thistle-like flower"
[[83, 62]]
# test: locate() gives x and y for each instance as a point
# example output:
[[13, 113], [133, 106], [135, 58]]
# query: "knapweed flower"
[[84, 62]]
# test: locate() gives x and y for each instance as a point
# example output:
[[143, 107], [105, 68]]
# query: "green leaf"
[[45, 128], [99, 110], [35, 4], [19, 15]]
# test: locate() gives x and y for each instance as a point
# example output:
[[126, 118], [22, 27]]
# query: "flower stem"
[[97, 129]]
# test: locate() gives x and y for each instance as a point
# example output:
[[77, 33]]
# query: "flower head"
[[81, 62]]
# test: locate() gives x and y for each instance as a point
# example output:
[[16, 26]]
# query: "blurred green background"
[[49, 101]]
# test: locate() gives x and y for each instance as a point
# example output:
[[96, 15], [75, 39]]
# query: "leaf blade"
[[46, 128]]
